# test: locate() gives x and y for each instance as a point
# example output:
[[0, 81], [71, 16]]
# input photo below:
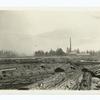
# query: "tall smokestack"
[[70, 45]]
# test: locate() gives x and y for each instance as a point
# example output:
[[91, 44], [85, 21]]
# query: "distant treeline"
[[57, 52], [60, 52], [5, 53]]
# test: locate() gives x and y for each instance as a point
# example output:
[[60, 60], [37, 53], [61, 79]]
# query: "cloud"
[[96, 17]]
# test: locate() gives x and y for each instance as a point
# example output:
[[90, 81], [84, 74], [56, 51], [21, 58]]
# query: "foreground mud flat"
[[49, 73]]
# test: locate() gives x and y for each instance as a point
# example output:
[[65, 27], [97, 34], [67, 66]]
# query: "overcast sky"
[[29, 30]]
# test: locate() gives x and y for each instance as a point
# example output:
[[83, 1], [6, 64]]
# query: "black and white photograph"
[[50, 49]]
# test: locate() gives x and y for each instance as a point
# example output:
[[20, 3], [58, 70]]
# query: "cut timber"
[[93, 69], [86, 81]]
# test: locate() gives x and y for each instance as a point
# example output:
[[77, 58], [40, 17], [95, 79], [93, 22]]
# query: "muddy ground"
[[48, 73]]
